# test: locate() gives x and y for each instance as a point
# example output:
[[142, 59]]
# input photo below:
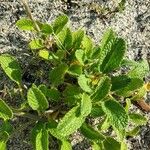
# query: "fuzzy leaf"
[[40, 137], [5, 111], [102, 89], [80, 56], [77, 38], [57, 74], [114, 57], [116, 114], [138, 119], [53, 94], [84, 83], [111, 143], [87, 45], [59, 23], [97, 111], [134, 84], [36, 99], [70, 122], [46, 29], [3, 140], [75, 69], [36, 44], [91, 133], [86, 105], [25, 24], [65, 145], [44, 54], [11, 67], [139, 70]]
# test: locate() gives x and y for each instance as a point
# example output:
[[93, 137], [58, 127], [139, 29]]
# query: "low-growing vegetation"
[[82, 81]]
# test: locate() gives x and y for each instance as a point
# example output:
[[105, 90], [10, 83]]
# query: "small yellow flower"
[[147, 86]]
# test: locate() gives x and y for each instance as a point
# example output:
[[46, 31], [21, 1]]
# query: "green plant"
[[84, 80]]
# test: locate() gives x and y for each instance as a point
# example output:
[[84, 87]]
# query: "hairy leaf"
[[114, 57], [3, 140], [102, 89], [5, 111], [57, 74], [75, 69], [97, 111], [25, 24], [11, 67], [116, 114], [138, 119], [46, 29], [65, 145], [84, 83], [36, 44], [59, 23], [36, 99], [80, 56]]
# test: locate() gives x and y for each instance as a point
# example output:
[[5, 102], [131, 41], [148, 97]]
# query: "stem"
[[28, 11]]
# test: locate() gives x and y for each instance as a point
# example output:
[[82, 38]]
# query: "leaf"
[[46, 29], [59, 23], [139, 70], [86, 105], [36, 99], [64, 39], [70, 122], [11, 67], [25, 24], [6, 127], [53, 94], [111, 143], [39, 137], [36, 44], [87, 45], [134, 84], [80, 56], [65, 145], [114, 58], [44, 54], [5, 111], [121, 5], [138, 119], [3, 140], [91, 133], [116, 114], [57, 74], [97, 146], [84, 83], [75, 69], [77, 38], [134, 132], [102, 90], [119, 82], [105, 45], [104, 125], [97, 111]]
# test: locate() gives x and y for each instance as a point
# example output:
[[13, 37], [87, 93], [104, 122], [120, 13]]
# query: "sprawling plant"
[[82, 80]]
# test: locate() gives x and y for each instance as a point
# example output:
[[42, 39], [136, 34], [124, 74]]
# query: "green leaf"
[[139, 70], [134, 132], [36, 44], [64, 39], [44, 54], [86, 105], [97, 111], [65, 145], [119, 82], [59, 23], [75, 69], [114, 57], [128, 90], [3, 140], [104, 125], [5, 112], [91, 133], [53, 94], [138, 119], [97, 146], [77, 38], [11, 67], [25, 24], [111, 143], [6, 127], [57, 74], [102, 90], [36, 99], [70, 122], [105, 45], [116, 114], [84, 83], [80, 56], [87, 45], [46, 29], [39, 137], [72, 94]]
